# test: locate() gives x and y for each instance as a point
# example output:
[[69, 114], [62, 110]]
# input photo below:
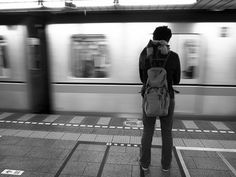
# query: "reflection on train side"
[[188, 48], [89, 56], [4, 65]]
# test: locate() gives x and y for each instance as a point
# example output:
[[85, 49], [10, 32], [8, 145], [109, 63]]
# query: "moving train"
[[93, 67]]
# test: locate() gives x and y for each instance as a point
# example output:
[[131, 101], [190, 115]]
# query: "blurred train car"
[[207, 58], [94, 67], [13, 70]]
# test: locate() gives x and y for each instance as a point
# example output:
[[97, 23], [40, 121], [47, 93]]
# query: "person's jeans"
[[167, 140]]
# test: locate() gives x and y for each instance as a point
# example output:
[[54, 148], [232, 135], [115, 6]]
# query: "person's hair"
[[162, 33]]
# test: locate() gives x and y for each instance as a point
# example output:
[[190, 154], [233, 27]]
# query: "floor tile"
[[114, 170], [228, 144], [121, 139], [87, 156], [90, 120], [74, 168], [103, 138], [208, 173], [51, 166], [189, 124], [54, 135], [211, 143], [24, 133], [10, 132], [70, 136], [5, 115], [77, 119], [26, 117], [47, 153], [39, 134], [51, 118], [10, 140], [87, 137], [91, 169], [103, 121], [193, 143], [209, 163], [91, 147]]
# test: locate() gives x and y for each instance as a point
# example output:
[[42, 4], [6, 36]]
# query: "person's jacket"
[[172, 67]]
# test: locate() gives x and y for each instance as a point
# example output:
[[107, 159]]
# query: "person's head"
[[161, 37], [162, 33]]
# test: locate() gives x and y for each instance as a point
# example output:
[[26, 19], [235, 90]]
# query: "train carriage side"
[[95, 69]]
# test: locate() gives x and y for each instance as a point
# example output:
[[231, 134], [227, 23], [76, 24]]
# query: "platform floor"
[[35, 145]]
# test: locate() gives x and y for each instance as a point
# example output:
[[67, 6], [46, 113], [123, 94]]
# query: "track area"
[[95, 146]]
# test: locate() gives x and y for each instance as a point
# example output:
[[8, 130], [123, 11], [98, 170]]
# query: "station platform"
[[73, 145]]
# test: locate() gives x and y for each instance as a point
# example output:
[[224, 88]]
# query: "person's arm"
[[142, 74], [177, 74]]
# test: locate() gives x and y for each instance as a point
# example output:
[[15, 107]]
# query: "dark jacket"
[[172, 67]]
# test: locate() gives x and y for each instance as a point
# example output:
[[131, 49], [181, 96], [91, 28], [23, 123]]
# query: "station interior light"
[[19, 4], [155, 2], [94, 3], [54, 3], [31, 4]]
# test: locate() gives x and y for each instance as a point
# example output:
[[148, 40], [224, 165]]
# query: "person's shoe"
[[145, 170], [165, 169]]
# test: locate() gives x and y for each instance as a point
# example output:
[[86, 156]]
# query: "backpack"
[[156, 96]]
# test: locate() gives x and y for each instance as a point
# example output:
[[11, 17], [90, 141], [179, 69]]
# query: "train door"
[[38, 74]]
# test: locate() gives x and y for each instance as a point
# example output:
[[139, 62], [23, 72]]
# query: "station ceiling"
[[214, 5]]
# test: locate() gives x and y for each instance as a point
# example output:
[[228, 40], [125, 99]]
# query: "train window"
[[4, 63], [89, 56], [34, 53], [188, 48]]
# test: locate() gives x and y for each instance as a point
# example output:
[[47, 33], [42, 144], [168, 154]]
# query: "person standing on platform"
[[161, 37]]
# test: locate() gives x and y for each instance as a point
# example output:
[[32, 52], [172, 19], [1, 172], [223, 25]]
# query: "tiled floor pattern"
[[43, 157], [115, 122], [206, 162], [41, 144]]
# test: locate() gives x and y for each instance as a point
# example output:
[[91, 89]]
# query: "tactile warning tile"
[[77, 119], [87, 137], [51, 118], [211, 143], [121, 139], [104, 121], [135, 140], [70, 136], [103, 138]]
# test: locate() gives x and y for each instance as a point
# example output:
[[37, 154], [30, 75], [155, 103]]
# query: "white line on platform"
[[227, 163], [186, 172], [204, 149]]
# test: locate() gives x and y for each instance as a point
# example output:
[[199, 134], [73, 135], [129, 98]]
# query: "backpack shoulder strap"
[[164, 65]]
